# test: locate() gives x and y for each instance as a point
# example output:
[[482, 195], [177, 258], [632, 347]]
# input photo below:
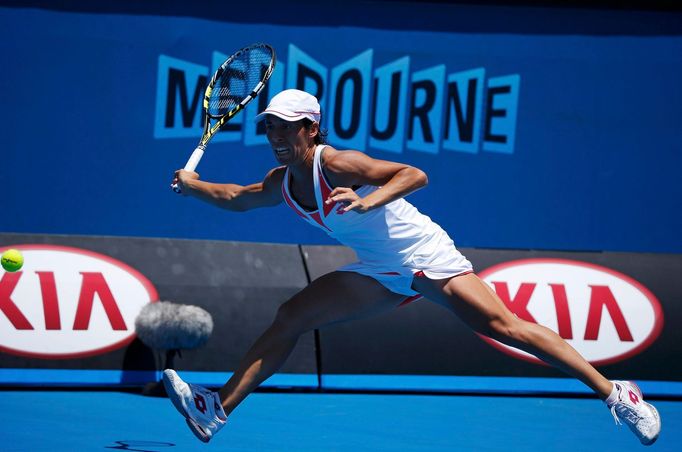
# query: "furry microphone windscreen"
[[170, 326]]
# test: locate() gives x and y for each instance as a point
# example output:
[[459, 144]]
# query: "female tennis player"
[[360, 202]]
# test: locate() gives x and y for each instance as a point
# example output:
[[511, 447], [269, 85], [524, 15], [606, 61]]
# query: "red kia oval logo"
[[605, 315], [68, 303]]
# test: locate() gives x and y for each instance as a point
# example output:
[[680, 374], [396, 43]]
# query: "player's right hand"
[[181, 177]]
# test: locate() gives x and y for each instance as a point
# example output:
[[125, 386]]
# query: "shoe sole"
[[175, 399], [645, 441], [658, 419]]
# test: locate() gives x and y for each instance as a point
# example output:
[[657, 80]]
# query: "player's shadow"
[[140, 446]]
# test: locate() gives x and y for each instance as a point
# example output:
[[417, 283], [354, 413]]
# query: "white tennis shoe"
[[200, 407], [628, 407]]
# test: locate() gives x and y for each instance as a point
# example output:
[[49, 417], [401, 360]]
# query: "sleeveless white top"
[[392, 239]]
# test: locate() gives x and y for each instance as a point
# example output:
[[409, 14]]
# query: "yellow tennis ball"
[[12, 260]]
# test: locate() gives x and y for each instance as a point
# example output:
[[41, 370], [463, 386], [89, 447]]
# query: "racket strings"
[[238, 80]]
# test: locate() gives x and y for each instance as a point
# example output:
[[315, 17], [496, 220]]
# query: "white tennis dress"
[[393, 242]]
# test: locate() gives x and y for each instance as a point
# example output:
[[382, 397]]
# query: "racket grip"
[[191, 164], [194, 159]]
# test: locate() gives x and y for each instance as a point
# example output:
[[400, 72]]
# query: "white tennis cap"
[[292, 105]]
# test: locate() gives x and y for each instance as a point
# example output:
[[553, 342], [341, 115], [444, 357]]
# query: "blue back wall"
[[566, 139]]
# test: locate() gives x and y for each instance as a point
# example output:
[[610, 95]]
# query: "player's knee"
[[284, 316], [507, 329], [289, 319]]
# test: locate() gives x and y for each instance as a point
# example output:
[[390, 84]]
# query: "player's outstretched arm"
[[233, 196]]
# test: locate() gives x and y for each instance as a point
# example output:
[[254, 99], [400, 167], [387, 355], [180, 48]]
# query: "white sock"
[[613, 397]]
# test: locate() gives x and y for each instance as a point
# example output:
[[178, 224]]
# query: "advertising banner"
[[74, 304], [73, 307]]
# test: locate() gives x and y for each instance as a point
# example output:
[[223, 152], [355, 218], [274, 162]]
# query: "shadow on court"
[[140, 446]]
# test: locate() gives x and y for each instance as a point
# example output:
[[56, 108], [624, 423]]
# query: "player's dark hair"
[[321, 137]]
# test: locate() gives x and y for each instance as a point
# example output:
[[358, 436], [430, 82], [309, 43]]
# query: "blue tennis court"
[[99, 420]]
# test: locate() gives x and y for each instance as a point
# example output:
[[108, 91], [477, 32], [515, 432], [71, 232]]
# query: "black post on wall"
[[316, 332]]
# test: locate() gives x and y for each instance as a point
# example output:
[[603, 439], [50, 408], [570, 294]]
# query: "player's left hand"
[[349, 198]]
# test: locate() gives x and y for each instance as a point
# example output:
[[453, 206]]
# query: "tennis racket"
[[236, 83]]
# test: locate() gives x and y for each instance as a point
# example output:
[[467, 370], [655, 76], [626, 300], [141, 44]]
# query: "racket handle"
[[194, 159], [191, 164]]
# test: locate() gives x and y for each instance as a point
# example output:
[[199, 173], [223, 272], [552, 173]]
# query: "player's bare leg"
[[478, 306], [332, 298]]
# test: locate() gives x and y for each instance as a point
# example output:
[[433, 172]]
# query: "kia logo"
[[605, 315], [69, 303]]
